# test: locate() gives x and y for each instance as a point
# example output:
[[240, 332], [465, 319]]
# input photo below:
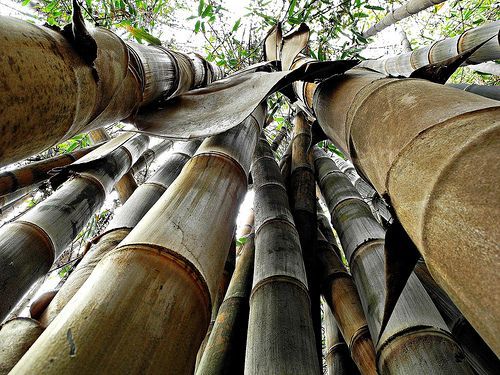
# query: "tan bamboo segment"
[[29, 245], [280, 334], [405, 64], [67, 96], [492, 92], [416, 339], [406, 10], [162, 277], [150, 155], [302, 197], [400, 131], [338, 359], [225, 349], [285, 164], [342, 298], [33, 173], [477, 352]]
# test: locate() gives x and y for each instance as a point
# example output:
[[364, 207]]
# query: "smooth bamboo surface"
[[29, 245], [162, 277], [343, 300], [66, 96], [406, 10], [225, 349], [280, 331], [33, 173], [150, 155], [399, 132], [405, 64], [416, 339], [338, 359], [492, 92]]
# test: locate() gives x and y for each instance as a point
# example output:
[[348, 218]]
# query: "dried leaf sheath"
[[29, 245], [169, 263], [280, 336], [415, 324]]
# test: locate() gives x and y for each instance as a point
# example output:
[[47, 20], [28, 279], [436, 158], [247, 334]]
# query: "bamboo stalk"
[[338, 359], [416, 339], [406, 10], [279, 138], [29, 245], [152, 295], [33, 173], [225, 349], [405, 64], [280, 336], [302, 197], [477, 352], [492, 92], [400, 131], [66, 95], [342, 298], [150, 155]]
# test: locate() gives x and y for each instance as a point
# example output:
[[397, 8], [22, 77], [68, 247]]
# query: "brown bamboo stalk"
[[338, 359], [492, 92], [416, 339], [225, 349], [280, 335], [302, 197], [477, 352], [281, 134], [29, 245], [399, 132], [405, 64], [286, 164], [33, 173], [406, 10], [68, 96], [155, 289], [343, 300]]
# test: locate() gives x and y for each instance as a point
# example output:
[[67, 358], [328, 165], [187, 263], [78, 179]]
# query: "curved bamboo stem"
[[280, 336], [492, 92], [415, 324], [406, 10], [399, 132], [405, 64], [29, 245], [164, 273]]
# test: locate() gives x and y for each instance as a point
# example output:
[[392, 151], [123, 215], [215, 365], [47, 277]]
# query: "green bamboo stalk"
[[280, 335], [416, 339], [29, 245], [152, 295]]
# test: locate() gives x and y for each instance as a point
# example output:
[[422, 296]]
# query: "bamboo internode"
[[156, 288], [402, 131], [280, 336], [29, 245], [67, 96], [416, 339], [150, 155], [405, 64], [492, 92]]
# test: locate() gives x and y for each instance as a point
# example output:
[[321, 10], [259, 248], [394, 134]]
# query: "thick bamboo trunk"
[[66, 96], [492, 92], [405, 64], [280, 335], [225, 349], [338, 359], [416, 339], [150, 155], [33, 173], [479, 355], [286, 165], [151, 297], [11, 200], [343, 300], [29, 245], [406, 10], [400, 133], [302, 197]]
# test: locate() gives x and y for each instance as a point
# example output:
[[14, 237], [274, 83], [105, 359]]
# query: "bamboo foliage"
[[406, 10], [280, 335], [416, 339], [405, 64], [29, 245], [170, 263], [399, 131], [77, 96]]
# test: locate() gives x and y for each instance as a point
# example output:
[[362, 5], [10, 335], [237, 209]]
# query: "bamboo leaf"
[[200, 7]]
